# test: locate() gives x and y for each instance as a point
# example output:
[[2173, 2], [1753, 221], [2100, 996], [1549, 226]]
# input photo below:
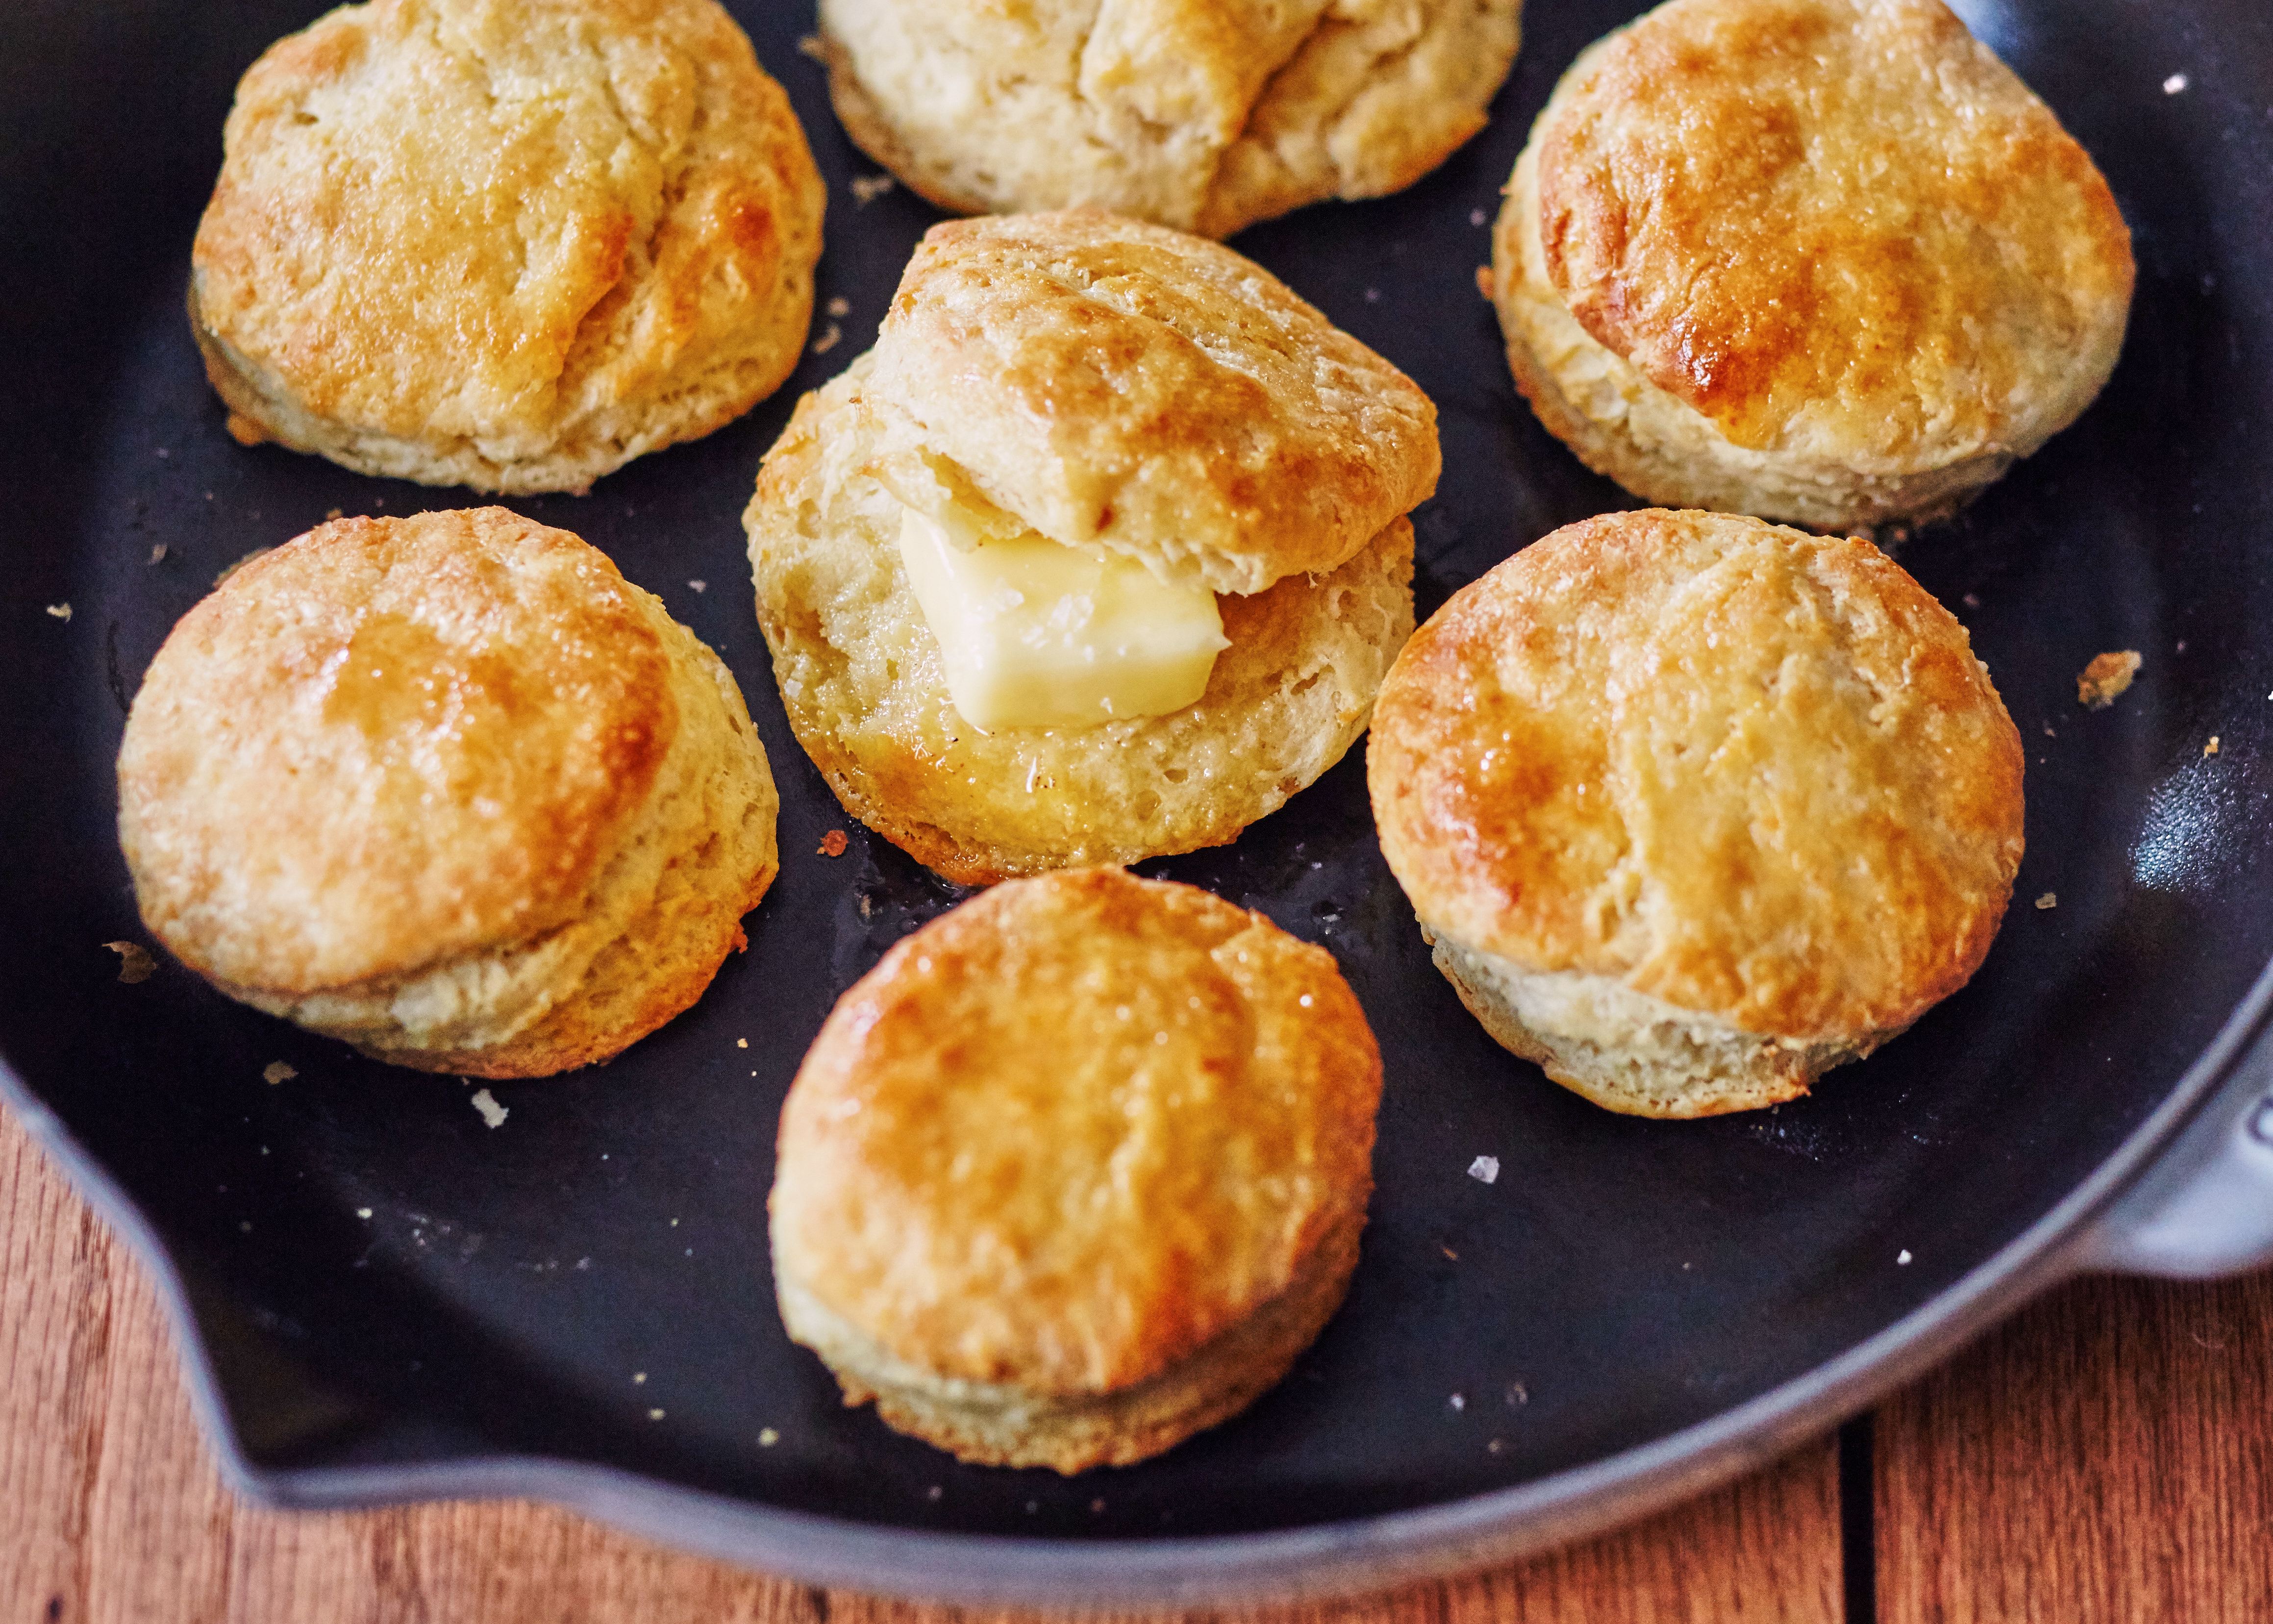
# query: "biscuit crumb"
[[840, 306], [741, 1042], [868, 188], [827, 341], [486, 1102], [62, 612], [2049, 900], [1517, 1396], [698, 586], [2098, 684], [331, 513], [1495, 1446], [1484, 282], [654, 1415], [134, 961], [1484, 1170], [1449, 1252], [362, 1211], [276, 1072], [832, 844], [241, 563], [767, 1437], [158, 553], [810, 45], [638, 1379], [2209, 749]]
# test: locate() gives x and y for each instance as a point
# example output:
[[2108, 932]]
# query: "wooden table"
[[2106, 1456]]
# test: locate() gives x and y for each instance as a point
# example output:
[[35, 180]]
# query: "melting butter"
[[1038, 634]]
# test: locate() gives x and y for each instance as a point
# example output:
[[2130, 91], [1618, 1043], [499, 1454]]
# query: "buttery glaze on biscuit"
[[510, 246], [1136, 393], [1202, 116], [1078, 1169], [448, 787], [1708, 770], [1826, 260]]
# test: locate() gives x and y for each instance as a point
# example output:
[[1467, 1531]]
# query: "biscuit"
[[1134, 393], [1694, 807], [1822, 260], [1206, 117], [448, 787], [508, 246], [1077, 1171]]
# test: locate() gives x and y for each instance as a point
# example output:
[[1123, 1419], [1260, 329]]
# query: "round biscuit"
[[1694, 765], [449, 787], [508, 246], [1822, 260], [1062, 1151], [865, 686], [1206, 117]]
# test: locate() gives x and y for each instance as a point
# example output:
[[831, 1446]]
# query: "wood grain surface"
[[2105, 1457]]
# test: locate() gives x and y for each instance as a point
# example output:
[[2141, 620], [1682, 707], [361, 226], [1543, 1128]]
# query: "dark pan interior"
[[1621, 1279]]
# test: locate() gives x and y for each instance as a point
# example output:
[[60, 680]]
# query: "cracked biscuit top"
[[510, 246], [1139, 392], [1204, 114], [1837, 228], [1748, 772]]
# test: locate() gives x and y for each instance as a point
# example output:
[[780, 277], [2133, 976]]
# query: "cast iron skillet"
[[383, 1298]]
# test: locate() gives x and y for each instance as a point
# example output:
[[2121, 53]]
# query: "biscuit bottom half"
[[1630, 1052], [1005, 1424], [661, 918], [865, 686]]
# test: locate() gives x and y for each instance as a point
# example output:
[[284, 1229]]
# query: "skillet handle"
[[2206, 1207]]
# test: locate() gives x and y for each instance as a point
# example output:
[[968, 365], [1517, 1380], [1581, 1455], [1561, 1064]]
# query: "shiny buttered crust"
[[1195, 114], [1132, 390], [448, 787], [862, 683], [1078, 1169], [505, 245], [1694, 807], [1822, 260]]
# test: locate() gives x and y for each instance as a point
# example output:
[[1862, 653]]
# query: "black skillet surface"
[[394, 1298]]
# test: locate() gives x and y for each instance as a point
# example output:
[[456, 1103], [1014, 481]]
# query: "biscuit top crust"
[[1833, 224], [1063, 1135], [485, 218], [388, 743], [1752, 772], [1129, 389]]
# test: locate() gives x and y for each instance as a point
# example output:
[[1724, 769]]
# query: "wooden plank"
[[2107, 1457], [114, 1512]]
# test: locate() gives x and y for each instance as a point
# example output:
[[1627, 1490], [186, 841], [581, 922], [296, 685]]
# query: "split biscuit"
[[448, 787], [1078, 1169], [1206, 117], [1822, 260], [1694, 807], [1134, 394], [505, 245]]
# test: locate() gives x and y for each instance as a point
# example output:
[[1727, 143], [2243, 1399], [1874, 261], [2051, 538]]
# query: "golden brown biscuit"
[[1077, 1171], [1823, 261], [448, 787], [1132, 392], [1695, 808], [1195, 114], [505, 245]]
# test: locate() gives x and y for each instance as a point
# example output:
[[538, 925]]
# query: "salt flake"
[[1484, 1170]]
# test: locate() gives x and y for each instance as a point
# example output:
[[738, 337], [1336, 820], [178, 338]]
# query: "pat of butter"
[[1038, 635]]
